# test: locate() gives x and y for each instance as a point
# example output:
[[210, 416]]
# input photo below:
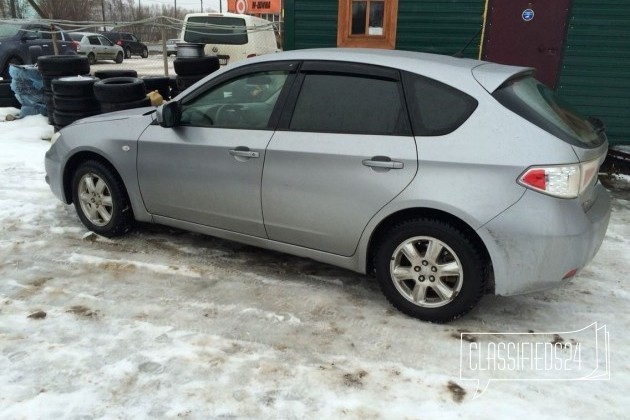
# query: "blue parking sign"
[[528, 14]]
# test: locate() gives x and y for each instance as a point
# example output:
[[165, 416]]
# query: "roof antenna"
[[460, 53]]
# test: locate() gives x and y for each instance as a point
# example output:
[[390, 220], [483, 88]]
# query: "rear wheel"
[[100, 199], [145, 52], [5, 71], [119, 57], [127, 52], [91, 58], [430, 270]]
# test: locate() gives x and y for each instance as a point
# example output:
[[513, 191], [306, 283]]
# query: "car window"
[[216, 30], [541, 106], [93, 39], [349, 104], [76, 37], [105, 41], [436, 109], [245, 102]]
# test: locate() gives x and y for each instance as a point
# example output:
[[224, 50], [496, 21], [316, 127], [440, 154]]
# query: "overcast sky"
[[194, 5]]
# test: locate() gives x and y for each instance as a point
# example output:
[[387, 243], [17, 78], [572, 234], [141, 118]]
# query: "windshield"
[[8, 30], [542, 106], [216, 30]]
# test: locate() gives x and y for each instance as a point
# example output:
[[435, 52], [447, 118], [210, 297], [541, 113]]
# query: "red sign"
[[254, 7]]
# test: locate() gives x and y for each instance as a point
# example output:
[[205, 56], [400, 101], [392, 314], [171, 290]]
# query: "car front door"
[[208, 169], [343, 150], [107, 48]]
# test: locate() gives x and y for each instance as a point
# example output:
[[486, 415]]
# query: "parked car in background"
[[171, 46], [17, 38], [232, 37], [446, 178], [96, 47], [130, 43]]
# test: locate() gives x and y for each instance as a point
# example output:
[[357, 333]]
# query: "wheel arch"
[[73, 163], [424, 212]]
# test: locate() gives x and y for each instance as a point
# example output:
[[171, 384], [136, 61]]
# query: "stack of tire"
[[7, 96], [73, 99], [55, 66], [119, 93], [192, 69]]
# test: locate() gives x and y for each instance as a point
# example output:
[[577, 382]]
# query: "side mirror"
[[29, 37], [169, 114]]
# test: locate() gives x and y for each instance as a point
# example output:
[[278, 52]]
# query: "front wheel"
[[430, 270], [119, 57], [100, 199], [145, 53], [91, 58], [127, 52]]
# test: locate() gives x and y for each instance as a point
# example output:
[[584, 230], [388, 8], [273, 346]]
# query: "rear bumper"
[[538, 240]]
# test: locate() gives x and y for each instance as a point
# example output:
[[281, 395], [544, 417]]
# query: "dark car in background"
[[129, 43], [17, 38]]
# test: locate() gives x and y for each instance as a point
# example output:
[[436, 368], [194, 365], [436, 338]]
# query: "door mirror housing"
[[169, 114]]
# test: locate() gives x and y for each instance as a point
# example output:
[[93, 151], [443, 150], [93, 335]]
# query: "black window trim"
[[290, 65], [343, 68]]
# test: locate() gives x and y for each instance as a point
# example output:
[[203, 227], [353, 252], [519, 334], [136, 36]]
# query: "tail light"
[[562, 181], [76, 45], [119, 42], [251, 55]]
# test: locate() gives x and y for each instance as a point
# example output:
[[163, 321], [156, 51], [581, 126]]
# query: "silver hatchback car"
[[446, 178]]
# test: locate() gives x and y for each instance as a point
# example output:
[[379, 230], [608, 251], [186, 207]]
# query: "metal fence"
[[153, 32]]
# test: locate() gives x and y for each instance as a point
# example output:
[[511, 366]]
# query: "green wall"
[[595, 74]]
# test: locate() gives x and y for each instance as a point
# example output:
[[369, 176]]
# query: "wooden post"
[[164, 53], [54, 39]]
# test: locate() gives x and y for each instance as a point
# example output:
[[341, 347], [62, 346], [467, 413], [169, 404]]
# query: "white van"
[[230, 36]]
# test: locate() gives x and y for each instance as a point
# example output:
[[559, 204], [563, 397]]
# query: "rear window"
[[541, 106], [216, 30]]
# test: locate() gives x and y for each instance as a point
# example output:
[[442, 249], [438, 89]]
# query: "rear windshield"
[[8, 30], [543, 107], [76, 37], [216, 30]]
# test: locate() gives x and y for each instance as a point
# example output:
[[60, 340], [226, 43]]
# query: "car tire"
[[159, 83], [5, 89], [105, 210], [145, 52], [108, 74], [91, 58], [82, 105], [119, 89], [127, 52], [418, 282], [74, 86], [63, 118], [184, 82], [195, 66], [119, 58], [63, 65], [120, 106]]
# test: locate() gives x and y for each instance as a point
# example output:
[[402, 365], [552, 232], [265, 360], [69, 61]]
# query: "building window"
[[367, 23]]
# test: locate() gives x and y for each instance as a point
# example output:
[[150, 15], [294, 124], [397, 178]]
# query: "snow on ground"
[[168, 324]]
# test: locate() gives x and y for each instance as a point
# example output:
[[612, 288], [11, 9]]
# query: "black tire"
[[63, 65], [472, 281], [91, 58], [119, 89], [84, 105], [194, 66], [119, 58], [159, 83], [12, 60], [119, 106], [5, 89], [145, 52], [64, 118], [10, 102], [127, 52], [74, 86], [121, 220], [108, 74], [184, 82]]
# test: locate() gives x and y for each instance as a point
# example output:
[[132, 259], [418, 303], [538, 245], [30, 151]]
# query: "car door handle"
[[244, 153], [383, 162]]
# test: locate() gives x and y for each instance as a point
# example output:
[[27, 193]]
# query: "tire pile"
[[118, 93], [192, 69], [7, 96], [73, 99], [55, 66]]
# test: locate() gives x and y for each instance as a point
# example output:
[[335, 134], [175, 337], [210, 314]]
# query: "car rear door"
[[208, 170], [343, 150]]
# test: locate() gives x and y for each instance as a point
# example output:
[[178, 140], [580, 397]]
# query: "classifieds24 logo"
[[578, 355]]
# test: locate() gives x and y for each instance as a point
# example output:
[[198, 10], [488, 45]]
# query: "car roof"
[[84, 33], [452, 70]]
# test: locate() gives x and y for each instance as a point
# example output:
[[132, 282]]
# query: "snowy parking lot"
[[163, 323]]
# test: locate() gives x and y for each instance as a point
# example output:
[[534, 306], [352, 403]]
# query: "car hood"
[[118, 115]]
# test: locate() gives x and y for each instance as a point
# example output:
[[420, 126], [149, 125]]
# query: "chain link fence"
[[159, 34]]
